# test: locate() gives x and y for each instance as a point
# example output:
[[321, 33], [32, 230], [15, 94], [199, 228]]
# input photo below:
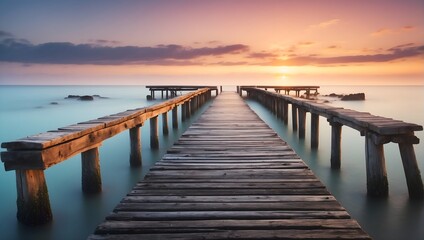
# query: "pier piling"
[[91, 177], [135, 147]]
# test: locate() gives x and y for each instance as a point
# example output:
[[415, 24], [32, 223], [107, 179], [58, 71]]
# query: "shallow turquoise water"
[[26, 110]]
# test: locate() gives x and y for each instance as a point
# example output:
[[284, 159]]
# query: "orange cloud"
[[326, 23], [390, 31]]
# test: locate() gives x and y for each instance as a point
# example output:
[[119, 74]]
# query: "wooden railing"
[[30, 156], [377, 131]]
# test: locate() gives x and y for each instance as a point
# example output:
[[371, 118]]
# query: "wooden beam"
[[154, 137], [285, 112], [336, 137], [377, 184], [314, 130], [91, 177], [294, 117], [135, 146], [175, 117], [302, 122], [412, 172], [33, 202], [165, 128]]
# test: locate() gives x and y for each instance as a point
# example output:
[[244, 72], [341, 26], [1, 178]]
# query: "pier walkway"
[[229, 177]]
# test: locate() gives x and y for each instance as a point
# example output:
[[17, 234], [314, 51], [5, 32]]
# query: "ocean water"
[[396, 217], [27, 110]]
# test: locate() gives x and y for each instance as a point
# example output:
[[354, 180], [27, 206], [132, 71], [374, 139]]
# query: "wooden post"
[[165, 129], [154, 138], [314, 130], [183, 112], [135, 146], [294, 117], [302, 122], [91, 178], [175, 117], [220, 89], [336, 137], [285, 112], [33, 202], [412, 172], [377, 184], [188, 110]]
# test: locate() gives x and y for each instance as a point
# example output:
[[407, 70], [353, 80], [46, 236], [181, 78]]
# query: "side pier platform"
[[229, 177]]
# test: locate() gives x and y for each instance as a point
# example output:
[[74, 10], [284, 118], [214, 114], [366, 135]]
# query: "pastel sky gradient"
[[285, 42]]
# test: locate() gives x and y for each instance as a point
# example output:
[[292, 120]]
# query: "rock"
[[54, 103], [86, 98], [73, 96], [354, 97], [335, 95], [149, 97]]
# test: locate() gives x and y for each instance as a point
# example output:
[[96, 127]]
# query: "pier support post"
[[377, 184], [314, 130], [336, 137], [302, 123], [175, 117], [285, 112], [188, 110], [33, 202], [135, 146], [183, 112], [294, 117], [165, 128], [154, 138], [412, 172], [91, 178]]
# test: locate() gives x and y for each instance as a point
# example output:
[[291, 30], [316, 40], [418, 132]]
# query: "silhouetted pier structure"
[[287, 89], [168, 91]]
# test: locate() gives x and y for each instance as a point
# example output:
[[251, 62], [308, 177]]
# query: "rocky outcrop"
[[354, 97], [84, 97]]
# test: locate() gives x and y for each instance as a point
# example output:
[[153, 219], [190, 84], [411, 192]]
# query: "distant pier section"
[[287, 89], [168, 91]]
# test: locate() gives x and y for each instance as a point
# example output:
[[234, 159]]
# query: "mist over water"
[[27, 110]]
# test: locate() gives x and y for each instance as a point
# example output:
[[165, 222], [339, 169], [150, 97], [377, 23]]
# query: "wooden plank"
[[245, 234]]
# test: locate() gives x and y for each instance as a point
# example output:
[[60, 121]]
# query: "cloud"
[[18, 50], [326, 24], [262, 55], [306, 43], [390, 31], [391, 54], [104, 42], [4, 34]]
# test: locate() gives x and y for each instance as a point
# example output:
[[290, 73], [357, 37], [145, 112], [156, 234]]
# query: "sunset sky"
[[285, 42]]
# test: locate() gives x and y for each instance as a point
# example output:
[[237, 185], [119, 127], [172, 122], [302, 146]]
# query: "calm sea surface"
[[27, 110]]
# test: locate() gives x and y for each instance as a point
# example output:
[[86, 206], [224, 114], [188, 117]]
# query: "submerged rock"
[[354, 97], [54, 103]]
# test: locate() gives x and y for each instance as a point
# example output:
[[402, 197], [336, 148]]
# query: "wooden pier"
[[30, 156], [229, 177], [376, 129], [168, 91]]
